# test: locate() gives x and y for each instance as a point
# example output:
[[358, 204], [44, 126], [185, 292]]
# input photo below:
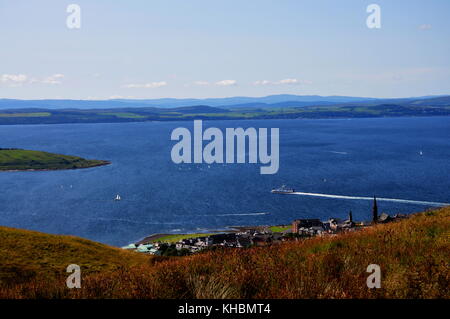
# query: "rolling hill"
[[413, 255], [135, 112], [172, 102], [25, 255]]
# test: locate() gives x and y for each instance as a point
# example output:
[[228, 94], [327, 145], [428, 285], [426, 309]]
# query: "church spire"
[[374, 210]]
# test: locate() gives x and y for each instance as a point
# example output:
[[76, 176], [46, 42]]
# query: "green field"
[[17, 159], [126, 115], [279, 229]]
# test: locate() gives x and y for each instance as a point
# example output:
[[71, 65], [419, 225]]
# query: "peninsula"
[[12, 159]]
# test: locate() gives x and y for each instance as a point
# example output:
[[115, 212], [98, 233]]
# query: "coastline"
[[228, 229], [102, 163]]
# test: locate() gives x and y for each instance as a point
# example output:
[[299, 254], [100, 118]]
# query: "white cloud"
[[53, 79], [282, 82], [13, 79], [425, 27], [151, 85], [226, 83], [288, 81], [263, 82]]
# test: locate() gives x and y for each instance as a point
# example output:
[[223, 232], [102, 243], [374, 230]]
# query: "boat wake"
[[243, 214], [336, 152], [406, 201], [123, 220]]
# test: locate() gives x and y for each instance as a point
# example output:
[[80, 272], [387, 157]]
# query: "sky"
[[213, 48]]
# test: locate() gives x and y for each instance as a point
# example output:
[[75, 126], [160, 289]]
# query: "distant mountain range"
[[282, 100], [71, 111], [246, 101]]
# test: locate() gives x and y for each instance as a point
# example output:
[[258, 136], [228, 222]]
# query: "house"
[[204, 242], [384, 218], [219, 239], [144, 248], [317, 230], [130, 246], [243, 241], [154, 251], [335, 224], [262, 240], [305, 223], [398, 215]]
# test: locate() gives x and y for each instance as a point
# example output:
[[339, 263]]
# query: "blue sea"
[[400, 158]]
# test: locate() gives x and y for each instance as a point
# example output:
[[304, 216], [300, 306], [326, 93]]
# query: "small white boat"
[[118, 197], [421, 153]]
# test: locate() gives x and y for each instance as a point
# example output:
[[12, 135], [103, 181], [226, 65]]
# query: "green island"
[[12, 159]]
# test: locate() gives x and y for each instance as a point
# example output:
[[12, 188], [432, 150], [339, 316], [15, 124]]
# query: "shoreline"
[[164, 120], [227, 229], [103, 163]]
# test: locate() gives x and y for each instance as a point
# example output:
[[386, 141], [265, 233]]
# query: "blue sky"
[[212, 48]]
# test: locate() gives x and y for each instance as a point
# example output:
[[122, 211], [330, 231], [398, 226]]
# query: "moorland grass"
[[414, 256]]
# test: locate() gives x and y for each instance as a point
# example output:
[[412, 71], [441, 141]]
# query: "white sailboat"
[[118, 197]]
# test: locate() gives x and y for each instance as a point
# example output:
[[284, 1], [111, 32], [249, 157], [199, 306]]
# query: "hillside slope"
[[25, 255], [413, 254]]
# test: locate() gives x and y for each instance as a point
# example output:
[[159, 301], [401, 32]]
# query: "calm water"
[[358, 157]]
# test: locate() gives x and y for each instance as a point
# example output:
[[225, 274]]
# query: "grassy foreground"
[[17, 159], [414, 256]]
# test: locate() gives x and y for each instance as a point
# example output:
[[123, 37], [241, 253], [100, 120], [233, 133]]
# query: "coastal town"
[[244, 237]]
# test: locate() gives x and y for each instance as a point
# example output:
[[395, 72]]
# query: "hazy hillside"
[[132, 112], [171, 102], [413, 255]]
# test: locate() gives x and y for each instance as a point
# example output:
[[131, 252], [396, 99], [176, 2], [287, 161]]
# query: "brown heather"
[[414, 256]]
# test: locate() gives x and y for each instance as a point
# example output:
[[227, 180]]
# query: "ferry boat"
[[283, 190]]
